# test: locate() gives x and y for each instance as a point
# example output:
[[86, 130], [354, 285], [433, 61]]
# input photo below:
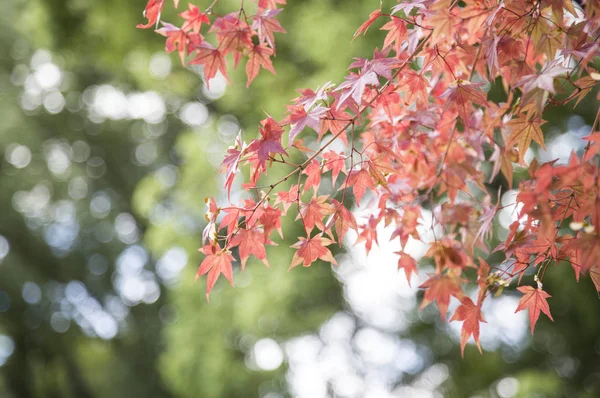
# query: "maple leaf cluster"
[[413, 129], [238, 34]]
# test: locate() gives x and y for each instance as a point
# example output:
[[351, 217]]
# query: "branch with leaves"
[[417, 126]]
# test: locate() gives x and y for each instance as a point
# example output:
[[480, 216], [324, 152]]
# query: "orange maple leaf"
[[311, 249], [312, 213], [535, 301], [471, 314], [409, 265], [439, 289], [523, 131], [365, 26]]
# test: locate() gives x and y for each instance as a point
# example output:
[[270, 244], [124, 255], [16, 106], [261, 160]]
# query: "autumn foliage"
[[419, 132]]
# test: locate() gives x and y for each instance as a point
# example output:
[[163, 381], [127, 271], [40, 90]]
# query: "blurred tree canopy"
[[109, 148]]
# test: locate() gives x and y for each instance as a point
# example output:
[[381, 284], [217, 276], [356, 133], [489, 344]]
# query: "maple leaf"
[[343, 220], [152, 13], [266, 25], [230, 165], [312, 213], [491, 54], [335, 162], [250, 241], [354, 86], [270, 141], [523, 131], [313, 171], [417, 85], [439, 289], [212, 59], [232, 214], [408, 264], [397, 32], [535, 301], [443, 23], [359, 180], [311, 249], [217, 262], [177, 39], [270, 4], [408, 226], [300, 116], [369, 233], [545, 79], [461, 95], [335, 121], [471, 314], [587, 249], [287, 198], [408, 6], [271, 220], [257, 57], [503, 161], [234, 36], [365, 26], [194, 19]]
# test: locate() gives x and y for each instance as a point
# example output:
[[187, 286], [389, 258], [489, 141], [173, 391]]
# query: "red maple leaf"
[[408, 264], [233, 34], [471, 314], [461, 95], [212, 59], [251, 241], [257, 57], [359, 180], [343, 219], [408, 226], [312, 213], [269, 142], [152, 13], [397, 33], [335, 121], [217, 262], [309, 250], [368, 233], [270, 4], [271, 220], [231, 218], [194, 19], [177, 39], [417, 85], [535, 301], [365, 26], [439, 289], [313, 171], [336, 162], [287, 198]]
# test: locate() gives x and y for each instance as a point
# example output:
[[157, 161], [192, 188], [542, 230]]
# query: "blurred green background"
[[108, 147]]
